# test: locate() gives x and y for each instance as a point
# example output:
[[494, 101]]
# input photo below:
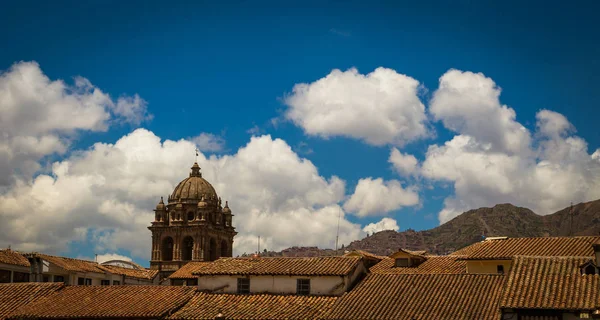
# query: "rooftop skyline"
[[393, 115]]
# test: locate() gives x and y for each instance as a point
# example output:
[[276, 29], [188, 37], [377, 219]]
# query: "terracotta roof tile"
[[433, 264], [70, 264], [130, 272], [255, 306], [15, 295], [550, 283], [185, 272], [306, 266], [365, 254], [107, 302], [421, 296], [542, 246], [12, 257]]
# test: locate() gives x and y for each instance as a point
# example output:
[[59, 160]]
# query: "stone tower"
[[193, 226]]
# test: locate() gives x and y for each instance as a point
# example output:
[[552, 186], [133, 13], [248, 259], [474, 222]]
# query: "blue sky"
[[224, 68]]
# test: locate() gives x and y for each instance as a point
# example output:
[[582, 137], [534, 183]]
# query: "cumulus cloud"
[[378, 197], [41, 116], [111, 256], [209, 142], [468, 103], [383, 224], [380, 108], [107, 193], [486, 171], [404, 164]]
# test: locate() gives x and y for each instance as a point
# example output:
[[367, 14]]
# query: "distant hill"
[[467, 228]]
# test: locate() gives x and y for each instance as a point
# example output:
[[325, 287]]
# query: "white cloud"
[[486, 171], [377, 197], [383, 224], [468, 103], [111, 256], [405, 164], [41, 116], [209, 142], [108, 192], [380, 108]]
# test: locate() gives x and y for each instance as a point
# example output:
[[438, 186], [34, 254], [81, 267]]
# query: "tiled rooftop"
[[186, 271], [551, 283], [255, 306], [313, 266], [12, 257], [15, 295], [130, 272], [365, 254], [70, 264], [433, 265], [421, 296], [545, 246], [107, 302]]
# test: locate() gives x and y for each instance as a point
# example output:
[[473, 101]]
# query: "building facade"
[[192, 226]]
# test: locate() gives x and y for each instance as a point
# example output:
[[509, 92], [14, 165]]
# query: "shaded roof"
[[301, 266], [505, 249], [254, 306], [107, 302], [551, 283], [12, 257], [433, 264], [364, 254], [70, 264], [16, 295], [185, 272], [422, 296], [130, 272]]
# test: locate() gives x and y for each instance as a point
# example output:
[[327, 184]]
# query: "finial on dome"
[[226, 209], [226, 204], [161, 200], [195, 170]]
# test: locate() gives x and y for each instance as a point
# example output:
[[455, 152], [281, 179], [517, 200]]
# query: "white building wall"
[[319, 285]]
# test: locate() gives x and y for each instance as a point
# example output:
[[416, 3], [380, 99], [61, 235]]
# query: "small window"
[[177, 282], [243, 285], [590, 269], [401, 262], [59, 279], [190, 216], [303, 286], [192, 282], [4, 276], [500, 269], [116, 282], [84, 281], [105, 282], [45, 278], [20, 277]]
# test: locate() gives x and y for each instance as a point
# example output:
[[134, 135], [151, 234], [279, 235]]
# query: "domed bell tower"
[[192, 226]]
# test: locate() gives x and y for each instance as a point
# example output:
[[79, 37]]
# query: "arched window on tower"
[[167, 249], [212, 250], [187, 248], [224, 249], [190, 216]]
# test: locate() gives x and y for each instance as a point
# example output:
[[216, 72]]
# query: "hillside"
[[467, 228]]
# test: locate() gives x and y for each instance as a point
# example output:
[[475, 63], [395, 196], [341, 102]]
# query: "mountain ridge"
[[471, 226]]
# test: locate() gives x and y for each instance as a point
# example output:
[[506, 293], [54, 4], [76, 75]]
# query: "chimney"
[[596, 247]]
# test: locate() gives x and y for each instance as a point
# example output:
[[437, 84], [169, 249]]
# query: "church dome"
[[194, 188]]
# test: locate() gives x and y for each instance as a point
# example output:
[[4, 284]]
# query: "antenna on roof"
[[96, 257], [9, 247], [337, 235], [258, 252], [571, 216]]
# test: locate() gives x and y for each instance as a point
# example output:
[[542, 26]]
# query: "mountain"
[[470, 227]]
